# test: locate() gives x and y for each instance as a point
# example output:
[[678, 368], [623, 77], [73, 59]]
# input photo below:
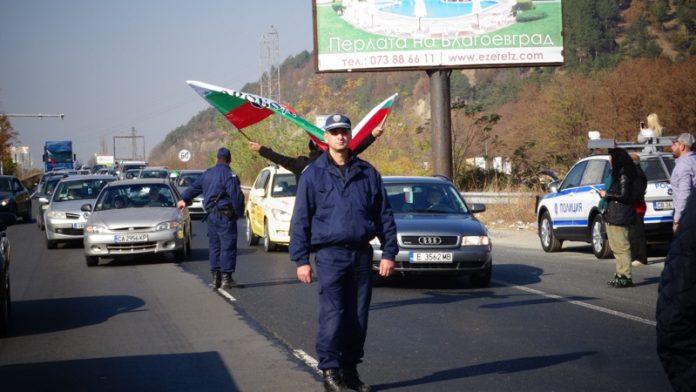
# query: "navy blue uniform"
[[336, 214], [222, 231]]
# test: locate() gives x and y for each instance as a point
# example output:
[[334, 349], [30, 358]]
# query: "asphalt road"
[[547, 323]]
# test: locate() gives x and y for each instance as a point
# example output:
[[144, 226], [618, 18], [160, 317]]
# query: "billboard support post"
[[441, 138]]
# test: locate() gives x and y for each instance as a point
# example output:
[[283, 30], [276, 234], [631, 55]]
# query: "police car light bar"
[[649, 146]]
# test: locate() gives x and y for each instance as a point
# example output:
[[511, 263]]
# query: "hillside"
[[624, 60]]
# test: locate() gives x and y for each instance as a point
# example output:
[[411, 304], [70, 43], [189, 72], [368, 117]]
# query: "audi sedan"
[[437, 231], [133, 217]]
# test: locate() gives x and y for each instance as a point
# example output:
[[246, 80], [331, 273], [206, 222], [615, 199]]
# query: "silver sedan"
[[137, 217]]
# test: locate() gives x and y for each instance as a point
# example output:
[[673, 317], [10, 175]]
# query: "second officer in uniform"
[[224, 201]]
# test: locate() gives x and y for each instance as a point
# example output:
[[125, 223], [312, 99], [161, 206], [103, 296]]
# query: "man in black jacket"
[[297, 165], [676, 304]]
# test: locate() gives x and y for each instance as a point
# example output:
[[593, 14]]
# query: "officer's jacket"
[[217, 179], [333, 210]]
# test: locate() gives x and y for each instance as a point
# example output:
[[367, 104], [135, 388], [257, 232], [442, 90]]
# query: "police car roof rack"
[[649, 146]]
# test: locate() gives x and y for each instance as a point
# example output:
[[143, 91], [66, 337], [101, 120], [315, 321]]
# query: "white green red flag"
[[372, 120], [245, 109]]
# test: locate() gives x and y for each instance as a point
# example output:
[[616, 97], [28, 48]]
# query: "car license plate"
[[78, 225], [663, 205], [430, 257], [130, 238]]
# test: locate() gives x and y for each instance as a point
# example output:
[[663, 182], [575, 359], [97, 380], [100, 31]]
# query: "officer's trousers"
[[345, 292], [222, 241]]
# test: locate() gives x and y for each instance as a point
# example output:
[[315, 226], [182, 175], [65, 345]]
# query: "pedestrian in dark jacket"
[[676, 304], [620, 214], [224, 202], [341, 205], [298, 164]]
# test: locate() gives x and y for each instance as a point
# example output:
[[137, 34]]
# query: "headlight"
[[170, 225], [5, 201], [56, 214], [280, 215], [475, 240], [95, 229]]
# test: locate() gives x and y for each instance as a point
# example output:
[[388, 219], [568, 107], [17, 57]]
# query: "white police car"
[[569, 211]]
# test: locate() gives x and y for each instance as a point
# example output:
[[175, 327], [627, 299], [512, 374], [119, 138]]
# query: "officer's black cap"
[[335, 121]]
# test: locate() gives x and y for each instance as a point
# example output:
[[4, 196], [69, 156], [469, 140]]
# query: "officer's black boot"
[[217, 279], [351, 378], [227, 280], [333, 381]]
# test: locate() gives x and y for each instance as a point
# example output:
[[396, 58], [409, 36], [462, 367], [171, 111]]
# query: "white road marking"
[[307, 359], [227, 295], [583, 304]]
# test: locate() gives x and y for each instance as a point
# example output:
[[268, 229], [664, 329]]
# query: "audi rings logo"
[[429, 240]]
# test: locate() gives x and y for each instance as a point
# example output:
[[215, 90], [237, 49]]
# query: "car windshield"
[[425, 198], [50, 185], [79, 189], [284, 185], [135, 196], [5, 185], [154, 174], [187, 179]]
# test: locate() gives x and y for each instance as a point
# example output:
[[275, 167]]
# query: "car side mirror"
[[258, 192], [477, 207], [552, 187], [86, 207]]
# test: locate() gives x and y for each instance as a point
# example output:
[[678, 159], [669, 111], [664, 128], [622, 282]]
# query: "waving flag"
[[372, 120], [245, 109]]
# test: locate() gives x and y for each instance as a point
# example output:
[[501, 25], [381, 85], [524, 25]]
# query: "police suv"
[[570, 212]]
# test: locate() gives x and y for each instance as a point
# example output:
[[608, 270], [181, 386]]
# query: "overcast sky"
[[112, 65]]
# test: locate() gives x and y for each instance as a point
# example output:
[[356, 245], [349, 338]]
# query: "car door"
[[256, 200], [22, 198], [566, 207]]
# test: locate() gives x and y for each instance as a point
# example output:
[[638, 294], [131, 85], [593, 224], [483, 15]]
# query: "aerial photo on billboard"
[[392, 34]]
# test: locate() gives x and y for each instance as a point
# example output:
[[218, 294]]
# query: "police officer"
[[224, 201], [340, 206]]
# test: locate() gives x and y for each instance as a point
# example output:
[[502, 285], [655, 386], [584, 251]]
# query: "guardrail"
[[495, 197]]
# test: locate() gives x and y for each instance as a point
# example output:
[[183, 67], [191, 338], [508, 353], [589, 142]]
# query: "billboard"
[[425, 34]]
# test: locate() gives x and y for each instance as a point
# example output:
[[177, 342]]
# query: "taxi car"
[[437, 231], [137, 217], [270, 205], [570, 210]]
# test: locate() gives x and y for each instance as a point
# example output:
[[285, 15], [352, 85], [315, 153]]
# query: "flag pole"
[[244, 134]]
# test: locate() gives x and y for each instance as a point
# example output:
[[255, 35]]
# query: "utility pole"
[[36, 115], [134, 146], [270, 65]]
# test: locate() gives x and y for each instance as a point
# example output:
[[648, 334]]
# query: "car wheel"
[[26, 218], [549, 242], [181, 254], [268, 245], [600, 244], [51, 244], [91, 261], [5, 307], [251, 238], [483, 278]]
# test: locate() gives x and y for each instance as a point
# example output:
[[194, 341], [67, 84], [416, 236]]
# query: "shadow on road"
[[173, 372], [499, 367], [59, 314]]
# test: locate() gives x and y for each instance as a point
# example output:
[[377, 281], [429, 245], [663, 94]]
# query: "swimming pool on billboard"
[[433, 8]]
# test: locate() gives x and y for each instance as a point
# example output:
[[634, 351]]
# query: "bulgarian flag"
[[245, 109], [376, 117]]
